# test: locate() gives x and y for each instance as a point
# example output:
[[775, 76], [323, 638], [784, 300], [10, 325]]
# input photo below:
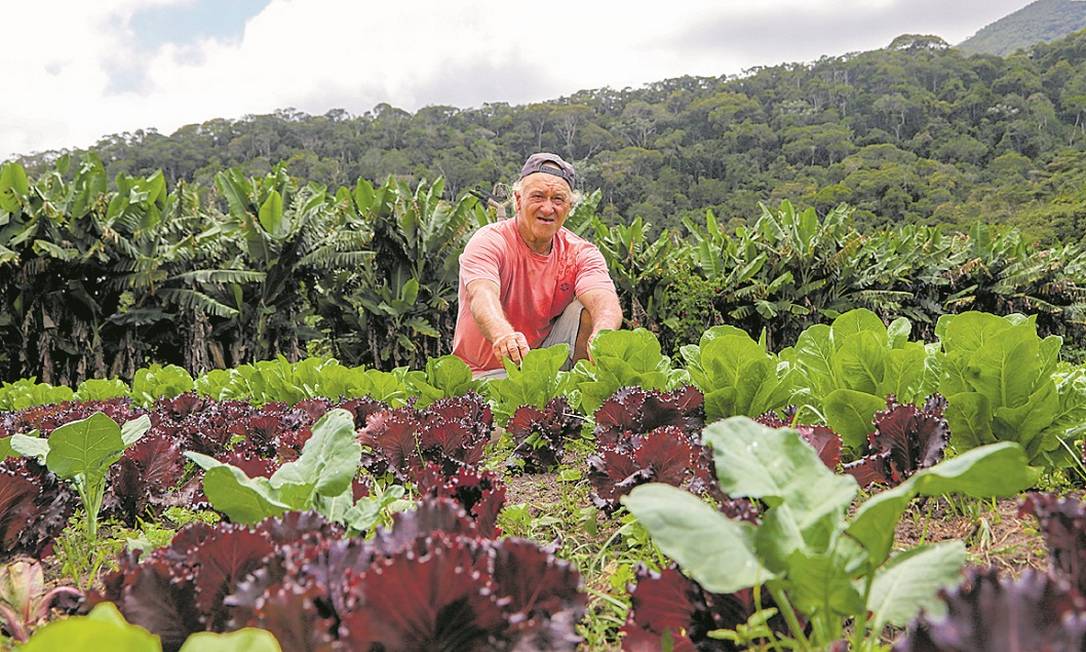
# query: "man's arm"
[[603, 307], [486, 310]]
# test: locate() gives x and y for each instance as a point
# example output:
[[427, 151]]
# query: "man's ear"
[[516, 202]]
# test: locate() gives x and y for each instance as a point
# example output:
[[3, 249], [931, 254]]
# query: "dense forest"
[[1040, 21], [916, 132]]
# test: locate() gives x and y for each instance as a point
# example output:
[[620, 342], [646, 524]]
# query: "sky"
[[76, 70]]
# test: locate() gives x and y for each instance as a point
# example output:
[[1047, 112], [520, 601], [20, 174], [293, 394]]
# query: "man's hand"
[[513, 346]]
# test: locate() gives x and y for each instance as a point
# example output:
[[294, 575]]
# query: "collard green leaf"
[[6, 450], [807, 500], [714, 550], [820, 583], [132, 430], [994, 470], [86, 447], [243, 499], [910, 581], [538, 379], [329, 459], [30, 446]]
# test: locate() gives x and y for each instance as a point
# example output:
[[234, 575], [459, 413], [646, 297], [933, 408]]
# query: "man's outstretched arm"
[[604, 311], [486, 310]]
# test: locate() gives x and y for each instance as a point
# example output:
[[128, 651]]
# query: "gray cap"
[[548, 163]]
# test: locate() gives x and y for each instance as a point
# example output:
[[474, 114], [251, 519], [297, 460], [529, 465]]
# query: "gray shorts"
[[564, 331]]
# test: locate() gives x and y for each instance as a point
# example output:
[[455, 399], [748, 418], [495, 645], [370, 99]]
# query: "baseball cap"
[[548, 163]]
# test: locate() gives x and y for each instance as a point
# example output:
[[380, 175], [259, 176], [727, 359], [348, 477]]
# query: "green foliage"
[[538, 379], [319, 479], [736, 374], [25, 392], [82, 452], [846, 369], [623, 359], [1046, 20], [807, 551], [280, 380], [157, 381], [999, 379], [101, 389], [443, 377], [104, 628]]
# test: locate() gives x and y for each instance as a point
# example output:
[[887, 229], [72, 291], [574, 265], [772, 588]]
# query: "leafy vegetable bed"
[[746, 499]]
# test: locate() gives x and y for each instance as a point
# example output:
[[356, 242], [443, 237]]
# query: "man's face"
[[543, 203]]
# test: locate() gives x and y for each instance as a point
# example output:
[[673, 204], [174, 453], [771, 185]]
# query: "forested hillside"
[[1037, 22], [915, 132]]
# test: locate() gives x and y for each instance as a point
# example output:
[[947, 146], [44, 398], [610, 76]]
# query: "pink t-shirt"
[[534, 288]]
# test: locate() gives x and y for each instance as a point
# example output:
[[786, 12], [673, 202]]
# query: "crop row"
[[318, 491]]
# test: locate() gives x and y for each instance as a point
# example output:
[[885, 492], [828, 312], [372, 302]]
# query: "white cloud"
[[321, 54]]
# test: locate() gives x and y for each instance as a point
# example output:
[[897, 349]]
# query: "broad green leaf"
[[712, 549], [994, 470], [248, 639], [244, 500], [909, 582], [898, 332], [858, 320], [6, 450], [30, 446], [133, 430], [1025, 423], [102, 629], [860, 361], [851, 414], [329, 459], [271, 213], [820, 583], [806, 499], [970, 419], [814, 353], [86, 447], [13, 186], [904, 373]]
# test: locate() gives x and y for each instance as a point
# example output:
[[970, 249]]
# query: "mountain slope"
[[1040, 21]]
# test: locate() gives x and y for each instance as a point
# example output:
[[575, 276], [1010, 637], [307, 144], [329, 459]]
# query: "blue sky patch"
[[190, 22]]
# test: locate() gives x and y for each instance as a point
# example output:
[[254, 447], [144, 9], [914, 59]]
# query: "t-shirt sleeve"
[[482, 258], [592, 272]]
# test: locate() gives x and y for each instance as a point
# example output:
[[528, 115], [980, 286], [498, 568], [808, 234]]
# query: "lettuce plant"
[[34, 507], [736, 374], [1062, 521], [443, 377], [156, 382], [906, 439], [25, 600], [665, 455], [816, 560], [1000, 383], [537, 380], [623, 358], [540, 434], [846, 369], [635, 411], [668, 606]]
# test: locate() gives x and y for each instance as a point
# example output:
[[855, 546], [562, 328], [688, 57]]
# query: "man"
[[526, 282]]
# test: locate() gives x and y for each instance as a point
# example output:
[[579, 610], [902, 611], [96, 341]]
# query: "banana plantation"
[[99, 278]]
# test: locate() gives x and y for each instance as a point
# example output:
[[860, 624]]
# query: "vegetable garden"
[[738, 498], [790, 490]]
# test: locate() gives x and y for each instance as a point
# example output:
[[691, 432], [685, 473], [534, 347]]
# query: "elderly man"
[[526, 282]]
